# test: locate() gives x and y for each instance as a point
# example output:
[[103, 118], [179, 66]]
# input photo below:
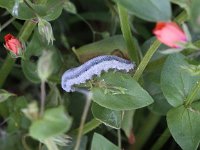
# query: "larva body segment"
[[93, 67]]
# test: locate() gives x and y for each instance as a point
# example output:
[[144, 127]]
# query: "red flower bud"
[[170, 34], [131, 138], [12, 44]]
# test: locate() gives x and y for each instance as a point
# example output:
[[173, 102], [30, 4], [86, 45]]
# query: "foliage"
[[155, 106]]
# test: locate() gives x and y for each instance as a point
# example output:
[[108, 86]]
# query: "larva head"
[[65, 85]]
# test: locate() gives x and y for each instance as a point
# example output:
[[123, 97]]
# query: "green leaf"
[[17, 120], [54, 122], [183, 124], [127, 123], [53, 9], [122, 93], [160, 105], [111, 45], [23, 11], [184, 4], [101, 143], [152, 85], [53, 98], [151, 10], [177, 82], [109, 117], [11, 141], [4, 95], [195, 14], [50, 11], [30, 71]]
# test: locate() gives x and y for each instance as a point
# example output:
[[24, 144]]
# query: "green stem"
[[5, 69], [26, 30], [162, 140], [131, 43], [192, 95], [145, 131], [181, 17], [50, 144], [153, 48], [9, 62], [7, 23], [42, 97], [87, 127], [83, 119], [119, 138]]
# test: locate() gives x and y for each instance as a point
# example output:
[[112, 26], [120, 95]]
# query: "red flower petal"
[[12, 44], [8, 37], [169, 33]]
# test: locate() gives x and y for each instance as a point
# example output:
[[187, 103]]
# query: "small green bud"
[[45, 65], [32, 111], [45, 30], [4, 95], [69, 7]]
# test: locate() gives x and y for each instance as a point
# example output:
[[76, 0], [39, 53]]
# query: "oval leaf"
[[176, 81], [124, 93], [54, 122], [109, 117], [100, 142], [183, 124], [50, 11], [106, 46], [151, 10], [127, 123]]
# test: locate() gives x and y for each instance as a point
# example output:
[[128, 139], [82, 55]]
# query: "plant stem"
[[181, 17], [5, 69], [26, 30], [119, 138], [87, 127], [126, 31], [50, 144], [42, 97], [145, 131], [83, 118], [192, 95], [146, 59], [7, 23], [162, 140], [25, 145]]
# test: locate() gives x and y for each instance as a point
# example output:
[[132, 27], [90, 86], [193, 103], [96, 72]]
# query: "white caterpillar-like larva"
[[95, 66]]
